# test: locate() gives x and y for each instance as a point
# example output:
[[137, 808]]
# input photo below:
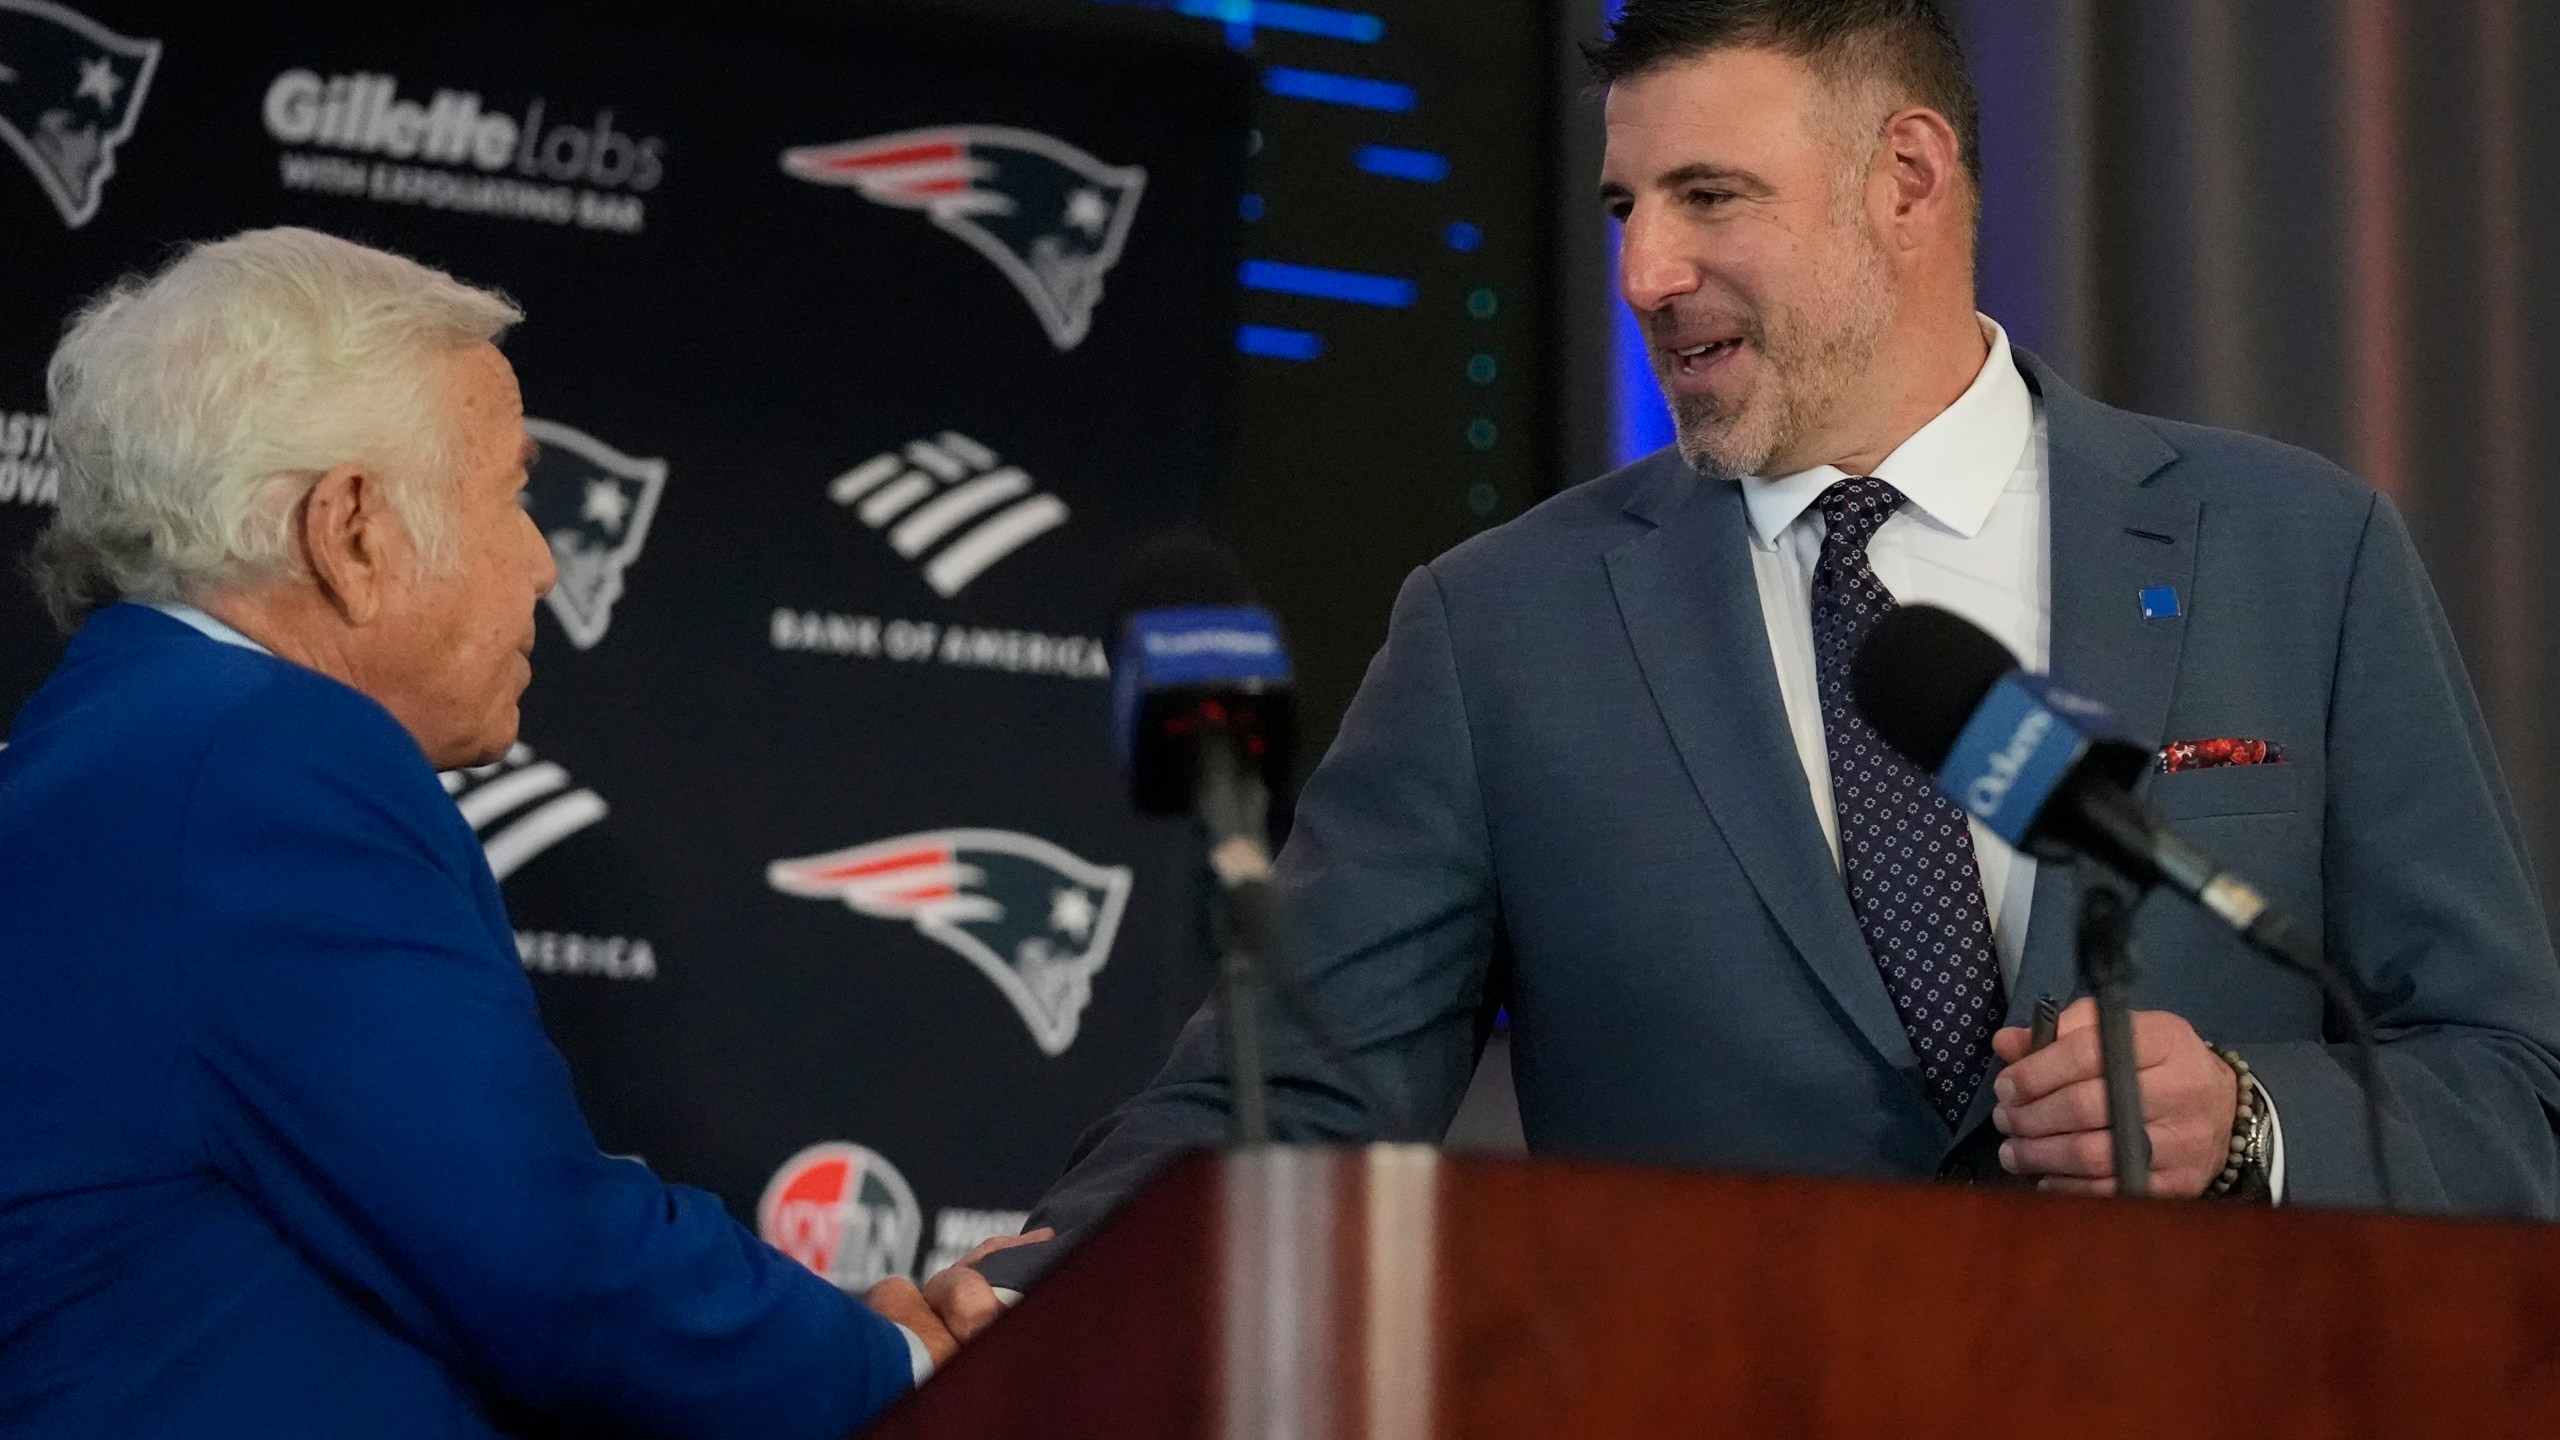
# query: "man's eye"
[[1709, 198]]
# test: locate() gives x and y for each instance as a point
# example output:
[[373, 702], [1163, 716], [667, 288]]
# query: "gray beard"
[[1810, 359], [1709, 441]]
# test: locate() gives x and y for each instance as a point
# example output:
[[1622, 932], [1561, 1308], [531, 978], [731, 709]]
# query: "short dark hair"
[[1905, 43]]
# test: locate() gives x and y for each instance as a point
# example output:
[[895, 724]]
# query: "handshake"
[[955, 1306]]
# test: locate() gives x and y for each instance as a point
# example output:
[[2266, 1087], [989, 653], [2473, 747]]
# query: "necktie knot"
[[1855, 507]]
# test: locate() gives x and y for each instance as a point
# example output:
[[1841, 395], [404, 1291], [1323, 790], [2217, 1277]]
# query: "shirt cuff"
[[918, 1358], [2275, 1144], [1006, 1298]]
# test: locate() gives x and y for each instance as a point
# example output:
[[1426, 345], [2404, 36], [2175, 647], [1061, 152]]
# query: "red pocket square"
[[2213, 754]]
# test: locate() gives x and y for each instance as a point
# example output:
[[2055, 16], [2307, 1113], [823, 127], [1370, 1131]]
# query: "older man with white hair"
[[283, 1149]]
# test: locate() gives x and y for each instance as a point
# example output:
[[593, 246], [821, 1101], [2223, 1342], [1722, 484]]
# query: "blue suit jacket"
[[283, 1149], [1568, 785]]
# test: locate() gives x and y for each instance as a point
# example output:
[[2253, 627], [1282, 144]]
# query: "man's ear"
[[1926, 164], [344, 528]]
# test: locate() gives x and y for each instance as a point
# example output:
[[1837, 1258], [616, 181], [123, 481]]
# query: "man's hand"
[[2053, 1105], [897, 1300], [962, 1297]]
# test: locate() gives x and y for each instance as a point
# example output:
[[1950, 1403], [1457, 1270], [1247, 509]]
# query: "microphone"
[[1204, 716], [2046, 769], [2051, 772], [1204, 704]]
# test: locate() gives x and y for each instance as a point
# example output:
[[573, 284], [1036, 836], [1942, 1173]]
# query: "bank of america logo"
[[520, 807], [950, 504]]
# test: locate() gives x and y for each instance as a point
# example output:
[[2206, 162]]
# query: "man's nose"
[[1652, 271], [547, 573]]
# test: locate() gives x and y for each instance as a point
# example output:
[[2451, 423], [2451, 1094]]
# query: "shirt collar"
[[199, 621], [1952, 469]]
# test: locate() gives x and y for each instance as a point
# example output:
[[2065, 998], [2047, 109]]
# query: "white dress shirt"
[[198, 621], [1974, 537]]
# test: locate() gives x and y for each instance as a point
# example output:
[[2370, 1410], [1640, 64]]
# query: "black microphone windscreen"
[[1174, 569], [1921, 675]]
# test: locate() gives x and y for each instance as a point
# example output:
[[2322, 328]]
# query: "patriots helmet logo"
[[1035, 919], [594, 504], [70, 92], [1050, 216]]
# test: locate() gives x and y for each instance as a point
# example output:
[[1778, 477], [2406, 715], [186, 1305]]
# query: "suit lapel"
[[1691, 605], [2114, 536]]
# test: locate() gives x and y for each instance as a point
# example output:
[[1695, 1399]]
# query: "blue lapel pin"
[[2160, 602]]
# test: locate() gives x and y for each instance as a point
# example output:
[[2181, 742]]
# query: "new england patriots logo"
[[594, 504], [1033, 918], [1051, 217], [70, 92]]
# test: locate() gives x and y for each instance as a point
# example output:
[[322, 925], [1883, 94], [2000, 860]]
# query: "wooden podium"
[[1395, 1293]]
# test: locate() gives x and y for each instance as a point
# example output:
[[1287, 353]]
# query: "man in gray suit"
[[1605, 771]]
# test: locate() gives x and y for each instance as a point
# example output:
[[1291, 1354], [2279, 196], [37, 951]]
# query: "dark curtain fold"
[[2316, 220]]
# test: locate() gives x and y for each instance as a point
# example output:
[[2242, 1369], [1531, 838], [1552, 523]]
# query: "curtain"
[[2311, 219]]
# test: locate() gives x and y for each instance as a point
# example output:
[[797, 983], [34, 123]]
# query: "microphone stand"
[[2106, 970], [1234, 809]]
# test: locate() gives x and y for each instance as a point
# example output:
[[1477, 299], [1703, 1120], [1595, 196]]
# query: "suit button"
[[1957, 1171]]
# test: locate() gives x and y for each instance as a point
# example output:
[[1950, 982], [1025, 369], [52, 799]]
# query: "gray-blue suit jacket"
[[1568, 786]]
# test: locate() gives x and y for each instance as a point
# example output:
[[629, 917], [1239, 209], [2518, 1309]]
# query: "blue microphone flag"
[[2022, 741], [1204, 645], [1191, 647]]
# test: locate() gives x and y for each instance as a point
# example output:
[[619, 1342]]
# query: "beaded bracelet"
[[2244, 1127]]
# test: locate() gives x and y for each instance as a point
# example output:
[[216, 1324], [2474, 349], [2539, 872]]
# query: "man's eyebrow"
[[1696, 174], [1710, 174]]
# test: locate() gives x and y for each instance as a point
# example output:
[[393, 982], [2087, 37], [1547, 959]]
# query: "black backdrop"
[[780, 420]]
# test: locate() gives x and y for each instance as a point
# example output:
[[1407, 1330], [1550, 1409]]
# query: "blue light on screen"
[[1382, 290], [1400, 164], [1273, 343], [1317, 20], [1330, 89], [1642, 424], [1464, 238]]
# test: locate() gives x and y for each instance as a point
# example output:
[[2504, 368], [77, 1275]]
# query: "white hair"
[[193, 407]]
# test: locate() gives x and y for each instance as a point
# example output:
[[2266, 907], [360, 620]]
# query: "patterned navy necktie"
[[1906, 849]]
